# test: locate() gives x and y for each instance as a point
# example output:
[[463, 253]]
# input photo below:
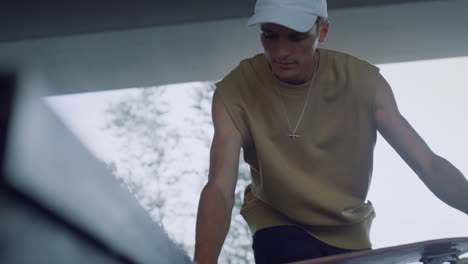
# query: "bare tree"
[[138, 120]]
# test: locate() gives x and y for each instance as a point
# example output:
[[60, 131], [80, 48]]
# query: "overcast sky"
[[431, 95]]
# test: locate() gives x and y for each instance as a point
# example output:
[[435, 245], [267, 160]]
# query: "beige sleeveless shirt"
[[320, 181]]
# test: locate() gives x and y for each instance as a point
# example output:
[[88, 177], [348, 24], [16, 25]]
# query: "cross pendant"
[[293, 136]]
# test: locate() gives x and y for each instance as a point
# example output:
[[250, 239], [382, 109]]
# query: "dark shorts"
[[281, 244]]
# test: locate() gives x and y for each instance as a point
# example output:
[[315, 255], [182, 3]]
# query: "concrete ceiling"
[[20, 20]]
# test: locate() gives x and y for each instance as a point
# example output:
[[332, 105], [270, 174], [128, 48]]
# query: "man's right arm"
[[217, 197]]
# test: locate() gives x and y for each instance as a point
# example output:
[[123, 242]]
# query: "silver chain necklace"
[[292, 134]]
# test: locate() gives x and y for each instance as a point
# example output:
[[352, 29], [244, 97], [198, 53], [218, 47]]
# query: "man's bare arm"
[[217, 197], [439, 175]]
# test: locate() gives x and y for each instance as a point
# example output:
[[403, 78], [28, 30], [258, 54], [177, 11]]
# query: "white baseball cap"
[[298, 15]]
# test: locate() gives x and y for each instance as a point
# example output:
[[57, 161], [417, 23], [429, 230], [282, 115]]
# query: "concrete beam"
[[209, 50]]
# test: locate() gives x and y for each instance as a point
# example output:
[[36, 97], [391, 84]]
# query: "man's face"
[[291, 53]]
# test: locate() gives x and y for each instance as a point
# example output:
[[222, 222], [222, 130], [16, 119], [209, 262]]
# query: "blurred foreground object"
[[58, 204]]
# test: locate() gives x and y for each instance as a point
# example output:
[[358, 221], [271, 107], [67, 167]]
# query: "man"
[[306, 119]]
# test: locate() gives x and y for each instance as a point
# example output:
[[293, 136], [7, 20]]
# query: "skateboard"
[[428, 252]]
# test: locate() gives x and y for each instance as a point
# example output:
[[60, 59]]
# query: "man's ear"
[[324, 31]]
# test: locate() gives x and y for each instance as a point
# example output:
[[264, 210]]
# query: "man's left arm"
[[438, 174]]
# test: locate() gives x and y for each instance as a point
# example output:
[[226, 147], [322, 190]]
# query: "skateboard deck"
[[428, 252]]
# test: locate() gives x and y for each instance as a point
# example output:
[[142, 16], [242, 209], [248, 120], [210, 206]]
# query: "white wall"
[[207, 51]]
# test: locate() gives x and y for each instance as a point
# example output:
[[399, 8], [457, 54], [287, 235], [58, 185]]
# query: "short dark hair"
[[320, 20]]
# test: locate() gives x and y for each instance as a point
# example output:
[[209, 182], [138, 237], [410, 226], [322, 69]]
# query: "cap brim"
[[293, 19]]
